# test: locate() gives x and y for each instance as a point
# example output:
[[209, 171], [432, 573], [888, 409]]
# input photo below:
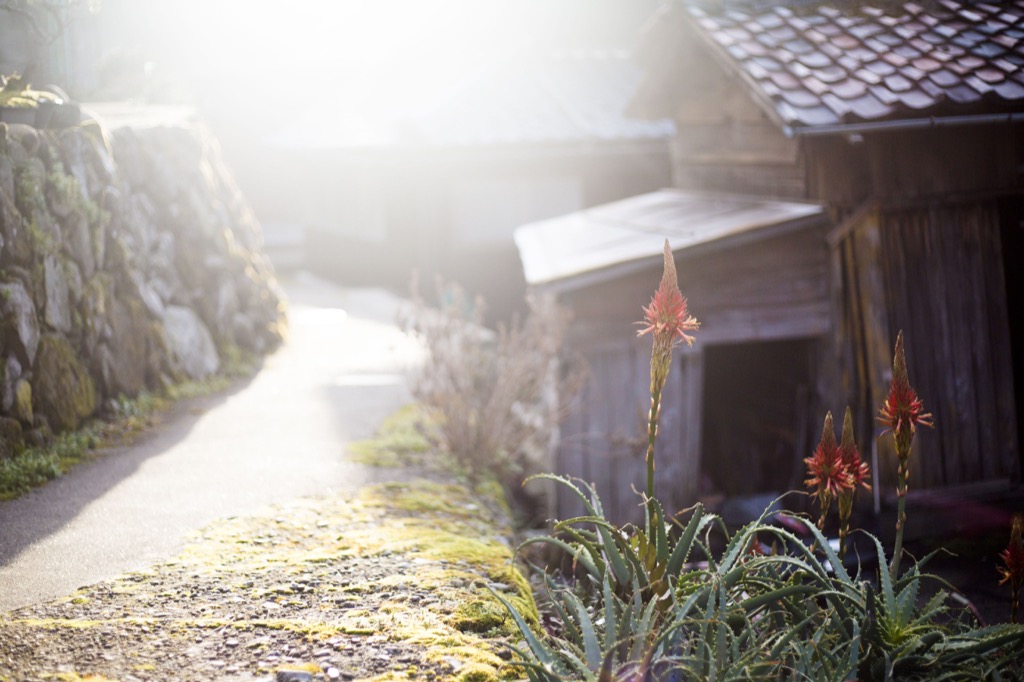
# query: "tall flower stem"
[[652, 434], [667, 320], [902, 478], [858, 472], [901, 414]]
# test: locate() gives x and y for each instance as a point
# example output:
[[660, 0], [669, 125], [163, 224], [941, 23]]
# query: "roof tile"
[[962, 94], [895, 59], [944, 78], [884, 94], [988, 50], [830, 74], [881, 68], [846, 41], [926, 64], [898, 83], [827, 64], [1009, 90], [840, 107], [916, 99], [869, 107], [800, 98], [932, 89], [815, 60], [978, 84], [868, 77], [991, 75], [849, 89], [1006, 65]]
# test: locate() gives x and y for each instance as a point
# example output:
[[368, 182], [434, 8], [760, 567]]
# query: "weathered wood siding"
[[935, 272], [915, 165], [773, 289]]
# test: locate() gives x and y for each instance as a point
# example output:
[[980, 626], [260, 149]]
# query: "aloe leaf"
[[681, 552], [753, 603], [571, 485], [591, 648], [574, 552], [888, 597], [659, 535], [906, 601], [614, 558], [540, 650], [611, 626], [606, 667]]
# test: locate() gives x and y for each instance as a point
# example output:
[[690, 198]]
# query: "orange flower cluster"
[[835, 471], [903, 410], [667, 316]]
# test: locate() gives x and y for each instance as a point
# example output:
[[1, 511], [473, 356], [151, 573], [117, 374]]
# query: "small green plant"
[[686, 599]]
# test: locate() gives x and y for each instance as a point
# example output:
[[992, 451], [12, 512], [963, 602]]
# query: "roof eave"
[[583, 280], [894, 125]]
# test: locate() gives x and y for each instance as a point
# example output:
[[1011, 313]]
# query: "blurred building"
[[840, 173], [437, 185]]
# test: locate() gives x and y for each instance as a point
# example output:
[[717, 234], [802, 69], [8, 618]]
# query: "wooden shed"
[[904, 131]]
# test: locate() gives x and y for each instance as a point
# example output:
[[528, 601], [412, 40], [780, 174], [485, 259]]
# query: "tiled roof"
[[846, 62]]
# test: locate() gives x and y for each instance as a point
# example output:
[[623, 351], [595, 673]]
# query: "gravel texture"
[[388, 584]]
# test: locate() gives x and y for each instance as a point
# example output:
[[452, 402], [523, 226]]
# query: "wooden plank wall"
[[773, 289], [944, 276], [935, 272]]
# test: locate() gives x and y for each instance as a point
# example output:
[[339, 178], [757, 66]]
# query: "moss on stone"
[[399, 441], [64, 391], [11, 439]]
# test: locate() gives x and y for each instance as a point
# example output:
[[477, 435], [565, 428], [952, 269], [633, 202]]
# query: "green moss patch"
[[400, 441], [393, 582]]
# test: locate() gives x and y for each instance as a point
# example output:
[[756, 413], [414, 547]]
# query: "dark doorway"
[[755, 403]]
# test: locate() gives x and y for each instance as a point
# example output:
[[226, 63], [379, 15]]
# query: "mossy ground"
[[388, 584]]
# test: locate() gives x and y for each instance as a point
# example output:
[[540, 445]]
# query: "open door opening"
[[755, 416]]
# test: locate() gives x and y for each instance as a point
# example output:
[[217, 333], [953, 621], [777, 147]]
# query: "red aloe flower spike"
[[1013, 565], [857, 471], [666, 316], [901, 414], [902, 411], [827, 478], [856, 468], [668, 320]]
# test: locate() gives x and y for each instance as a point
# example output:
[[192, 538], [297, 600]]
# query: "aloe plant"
[[636, 605]]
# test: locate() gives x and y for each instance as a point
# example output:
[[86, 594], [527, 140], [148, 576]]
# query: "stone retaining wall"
[[129, 259]]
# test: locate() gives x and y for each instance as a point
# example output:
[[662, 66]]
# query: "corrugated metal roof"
[[564, 96], [634, 230], [843, 62]]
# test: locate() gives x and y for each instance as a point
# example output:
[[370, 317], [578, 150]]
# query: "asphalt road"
[[280, 436]]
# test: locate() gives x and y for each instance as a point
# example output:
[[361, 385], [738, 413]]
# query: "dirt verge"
[[388, 584]]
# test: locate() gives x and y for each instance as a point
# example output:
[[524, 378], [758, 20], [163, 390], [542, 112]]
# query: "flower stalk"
[[826, 475], [1012, 570], [901, 414], [857, 472], [667, 320]]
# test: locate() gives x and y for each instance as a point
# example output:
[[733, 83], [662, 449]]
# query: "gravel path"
[[389, 583]]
